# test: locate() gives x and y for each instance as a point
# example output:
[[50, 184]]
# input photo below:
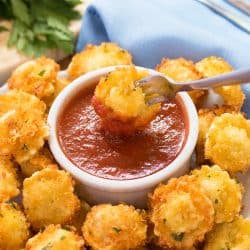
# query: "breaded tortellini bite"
[[42, 159], [119, 227], [206, 116], [224, 192], [234, 235], [9, 184], [54, 237], [14, 228], [213, 66], [181, 213], [120, 104], [182, 70], [48, 198], [228, 142], [36, 77], [98, 56], [23, 129]]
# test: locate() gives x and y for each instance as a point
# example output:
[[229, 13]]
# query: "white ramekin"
[[99, 190]]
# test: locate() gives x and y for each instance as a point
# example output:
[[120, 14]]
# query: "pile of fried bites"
[[195, 211]]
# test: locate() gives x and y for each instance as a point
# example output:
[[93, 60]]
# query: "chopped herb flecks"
[[177, 236]]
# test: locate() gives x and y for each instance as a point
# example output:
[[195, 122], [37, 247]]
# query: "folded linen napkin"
[[151, 30]]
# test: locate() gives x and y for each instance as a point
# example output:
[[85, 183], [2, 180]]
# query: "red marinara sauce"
[[107, 156]]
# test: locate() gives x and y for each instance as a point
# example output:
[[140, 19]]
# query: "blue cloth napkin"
[[151, 30]]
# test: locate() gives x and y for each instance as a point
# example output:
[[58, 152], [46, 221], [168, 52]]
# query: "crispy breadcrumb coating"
[[23, 129], [59, 85], [14, 228], [213, 66], [224, 192], [42, 159], [234, 235], [119, 227], [37, 77], [206, 116], [181, 213], [182, 70], [8, 180], [48, 198], [55, 238], [228, 142], [94, 57], [122, 106]]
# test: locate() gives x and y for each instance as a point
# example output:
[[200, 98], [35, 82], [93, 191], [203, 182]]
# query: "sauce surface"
[[98, 153]]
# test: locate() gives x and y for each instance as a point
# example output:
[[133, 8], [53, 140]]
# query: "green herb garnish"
[[62, 237], [177, 236], [117, 229], [47, 247], [41, 73], [40, 25]]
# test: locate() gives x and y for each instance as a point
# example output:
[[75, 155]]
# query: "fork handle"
[[232, 78]]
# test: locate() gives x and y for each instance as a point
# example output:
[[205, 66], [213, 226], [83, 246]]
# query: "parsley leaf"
[[40, 25]]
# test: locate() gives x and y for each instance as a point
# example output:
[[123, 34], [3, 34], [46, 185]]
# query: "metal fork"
[[158, 88], [241, 22]]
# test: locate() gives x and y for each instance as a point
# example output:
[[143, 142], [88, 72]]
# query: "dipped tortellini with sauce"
[[120, 104]]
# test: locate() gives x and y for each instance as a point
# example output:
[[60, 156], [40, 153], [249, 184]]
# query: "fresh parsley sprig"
[[40, 25]]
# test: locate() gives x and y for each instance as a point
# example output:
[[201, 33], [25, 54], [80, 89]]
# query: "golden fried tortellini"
[[14, 228], [48, 198], [23, 128], [181, 213], [120, 104], [54, 237], [37, 77], [59, 85], [94, 57], [182, 70], [8, 180], [234, 235], [213, 66], [224, 192], [228, 142], [119, 227], [42, 159], [206, 116]]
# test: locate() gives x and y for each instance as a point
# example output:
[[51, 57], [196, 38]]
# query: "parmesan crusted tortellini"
[[14, 228], [8, 180], [181, 213], [219, 187], [42, 159], [94, 57], [119, 227], [37, 77], [234, 235], [23, 129], [228, 142], [55, 238], [120, 104], [48, 198], [213, 66], [206, 116], [182, 70]]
